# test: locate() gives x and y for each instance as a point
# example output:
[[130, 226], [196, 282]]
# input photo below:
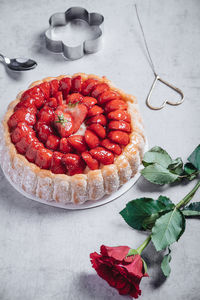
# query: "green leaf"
[[157, 155], [190, 171], [165, 264], [137, 212], [168, 229], [158, 174], [192, 210], [194, 158], [176, 166], [166, 201], [132, 252]]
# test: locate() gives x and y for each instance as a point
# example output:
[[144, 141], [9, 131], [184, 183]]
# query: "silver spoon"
[[18, 64]]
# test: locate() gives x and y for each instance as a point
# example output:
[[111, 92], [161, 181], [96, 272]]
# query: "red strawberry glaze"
[[78, 143], [102, 155], [57, 166], [65, 146], [91, 139], [119, 115], [119, 137], [76, 84], [54, 86], [74, 98], [65, 86], [115, 148], [56, 110], [95, 110], [20, 131], [98, 129], [32, 150], [115, 104], [46, 115], [87, 86], [99, 89], [99, 119], [21, 115], [107, 96], [119, 125], [73, 163], [43, 131], [43, 158], [92, 163], [52, 142], [89, 101]]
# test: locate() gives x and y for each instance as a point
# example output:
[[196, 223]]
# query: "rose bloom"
[[120, 272]]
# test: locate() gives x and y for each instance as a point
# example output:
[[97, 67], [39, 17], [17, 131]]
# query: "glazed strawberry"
[[78, 143], [59, 98], [89, 101], [20, 131], [27, 104], [73, 163], [52, 102], [91, 139], [74, 98], [87, 86], [102, 155], [78, 113], [95, 110], [99, 89], [119, 115], [119, 137], [119, 125], [65, 86], [92, 163], [32, 150], [36, 94], [21, 115], [45, 88], [23, 144], [115, 104], [64, 146], [54, 86], [98, 129], [57, 166], [107, 96], [46, 115], [43, 158], [115, 148], [63, 122], [52, 142], [76, 84], [43, 131], [99, 119]]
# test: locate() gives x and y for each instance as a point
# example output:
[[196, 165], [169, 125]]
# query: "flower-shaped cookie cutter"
[[78, 15]]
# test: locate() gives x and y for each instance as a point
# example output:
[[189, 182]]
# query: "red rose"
[[120, 272]]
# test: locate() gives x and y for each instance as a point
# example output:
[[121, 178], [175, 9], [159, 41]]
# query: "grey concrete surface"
[[44, 251]]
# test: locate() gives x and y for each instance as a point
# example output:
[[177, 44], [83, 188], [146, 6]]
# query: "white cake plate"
[[88, 204]]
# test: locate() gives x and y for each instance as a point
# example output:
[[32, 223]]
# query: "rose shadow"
[[96, 288], [153, 260]]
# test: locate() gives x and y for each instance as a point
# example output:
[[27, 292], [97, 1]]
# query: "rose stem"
[[189, 196], [144, 244], [182, 203]]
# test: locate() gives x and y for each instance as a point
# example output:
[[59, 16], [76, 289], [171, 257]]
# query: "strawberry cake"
[[72, 138]]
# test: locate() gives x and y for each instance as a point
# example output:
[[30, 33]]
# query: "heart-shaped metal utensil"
[[166, 101]]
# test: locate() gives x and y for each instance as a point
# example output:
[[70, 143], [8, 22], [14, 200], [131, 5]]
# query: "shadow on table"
[[93, 287], [12, 199]]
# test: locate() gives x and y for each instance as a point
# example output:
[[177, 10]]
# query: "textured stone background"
[[44, 251]]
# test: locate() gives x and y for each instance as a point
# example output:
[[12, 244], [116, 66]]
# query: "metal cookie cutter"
[[83, 32]]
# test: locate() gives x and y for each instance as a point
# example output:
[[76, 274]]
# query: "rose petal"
[[136, 267], [118, 253], [125, 290]]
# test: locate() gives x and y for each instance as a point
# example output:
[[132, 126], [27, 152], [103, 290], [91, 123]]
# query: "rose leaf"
[[157, 155]]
